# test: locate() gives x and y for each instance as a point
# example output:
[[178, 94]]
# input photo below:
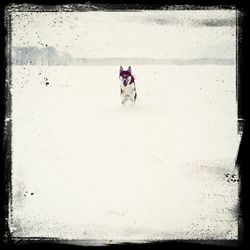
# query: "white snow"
[[98, 170]]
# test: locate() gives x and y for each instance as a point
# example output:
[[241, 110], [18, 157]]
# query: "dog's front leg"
[[122, 96]]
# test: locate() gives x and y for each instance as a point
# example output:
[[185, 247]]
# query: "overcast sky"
[[154, 34]]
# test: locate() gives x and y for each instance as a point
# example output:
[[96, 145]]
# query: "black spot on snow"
[[47, 83], [31, 193], [231, 178]]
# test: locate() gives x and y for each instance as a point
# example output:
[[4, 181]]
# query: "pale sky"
[[154, 34]]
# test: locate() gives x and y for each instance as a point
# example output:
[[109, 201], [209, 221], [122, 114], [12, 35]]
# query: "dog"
[[128, 89]]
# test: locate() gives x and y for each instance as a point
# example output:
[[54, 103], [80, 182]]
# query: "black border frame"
[[242, 80]]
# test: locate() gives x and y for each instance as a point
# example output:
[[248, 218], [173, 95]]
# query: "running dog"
[[128, 89]]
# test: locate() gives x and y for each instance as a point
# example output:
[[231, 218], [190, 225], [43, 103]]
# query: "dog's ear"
[[129, 69], [121, 69]]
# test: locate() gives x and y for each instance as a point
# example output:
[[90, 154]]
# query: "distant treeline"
[[160, 61], [50, 56], [42, 56]]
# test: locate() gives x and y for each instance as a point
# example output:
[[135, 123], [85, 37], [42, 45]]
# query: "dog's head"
[[125, 75]]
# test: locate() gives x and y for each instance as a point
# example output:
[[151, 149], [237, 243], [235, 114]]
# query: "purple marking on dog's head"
[[125, 75]]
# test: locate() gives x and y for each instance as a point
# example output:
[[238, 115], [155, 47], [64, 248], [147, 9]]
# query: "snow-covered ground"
[[85, 167]]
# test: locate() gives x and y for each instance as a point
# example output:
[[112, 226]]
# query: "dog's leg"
[[126, 98], [123, 100], [122, 97], [135, 96]]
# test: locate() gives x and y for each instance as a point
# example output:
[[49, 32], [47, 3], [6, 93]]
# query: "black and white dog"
[[128, 89]]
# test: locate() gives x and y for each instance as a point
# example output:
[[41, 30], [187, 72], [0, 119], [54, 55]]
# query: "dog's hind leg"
[[135, 96], [133, 99]]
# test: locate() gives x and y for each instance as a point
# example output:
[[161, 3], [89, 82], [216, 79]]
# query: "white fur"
[[128, 92]]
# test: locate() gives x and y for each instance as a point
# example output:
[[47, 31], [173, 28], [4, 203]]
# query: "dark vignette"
[[6, 125], [242, 79]]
